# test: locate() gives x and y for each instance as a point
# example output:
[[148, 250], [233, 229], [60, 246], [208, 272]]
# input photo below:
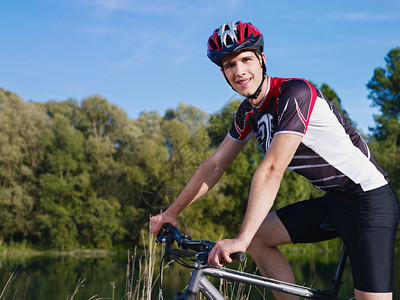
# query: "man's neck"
[[261, 98]]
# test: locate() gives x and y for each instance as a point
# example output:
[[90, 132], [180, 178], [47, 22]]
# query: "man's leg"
[[368, 223], [372, 296], [269, 259]]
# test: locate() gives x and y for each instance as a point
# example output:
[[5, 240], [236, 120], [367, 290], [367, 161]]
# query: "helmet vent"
[[237, 34], [228, 41], [212, 44], [219, 42], [246, 32]]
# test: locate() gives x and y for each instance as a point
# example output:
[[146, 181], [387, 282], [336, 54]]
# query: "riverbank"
[[113, 274], [15, 251], [19, 250]]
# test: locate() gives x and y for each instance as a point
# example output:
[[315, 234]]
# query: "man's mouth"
[[244, 81]]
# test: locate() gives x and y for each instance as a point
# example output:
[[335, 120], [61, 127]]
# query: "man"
[[300, 130]]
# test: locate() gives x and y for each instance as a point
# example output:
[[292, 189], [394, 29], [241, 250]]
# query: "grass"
[[141, 288], [139, 277], [9, 281], [238, 291], [142, 278]]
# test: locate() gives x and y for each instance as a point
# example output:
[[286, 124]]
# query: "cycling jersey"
[[331, 155]]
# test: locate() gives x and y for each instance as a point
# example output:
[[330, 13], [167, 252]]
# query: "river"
[[104, 277]]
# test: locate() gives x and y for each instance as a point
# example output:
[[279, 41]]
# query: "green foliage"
[[85, 175], [22, 147], [384, 89]]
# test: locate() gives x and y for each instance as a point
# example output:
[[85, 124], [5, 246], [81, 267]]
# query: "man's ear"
[[223, 73], [222, 70]]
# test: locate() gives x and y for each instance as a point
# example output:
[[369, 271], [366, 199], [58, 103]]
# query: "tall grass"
[[141, 288], [238, 290], [8, 283], [139, 278], [142, 277], [11, 278]]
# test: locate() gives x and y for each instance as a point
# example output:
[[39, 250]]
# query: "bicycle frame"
[[199, 282]]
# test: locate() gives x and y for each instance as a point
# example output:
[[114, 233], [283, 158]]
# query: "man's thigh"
[[306, 221]]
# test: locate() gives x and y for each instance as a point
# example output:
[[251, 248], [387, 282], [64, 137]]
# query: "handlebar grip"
[[240, 256]]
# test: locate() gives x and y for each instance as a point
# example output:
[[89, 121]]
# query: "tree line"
[[83, 174]]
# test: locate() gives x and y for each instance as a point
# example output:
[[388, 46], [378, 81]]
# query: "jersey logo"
[[264, 133]]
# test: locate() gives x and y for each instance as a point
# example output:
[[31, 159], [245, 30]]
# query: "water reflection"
[[41, 278], [56, 277]]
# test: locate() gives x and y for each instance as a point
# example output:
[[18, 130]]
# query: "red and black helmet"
[[233, 37]]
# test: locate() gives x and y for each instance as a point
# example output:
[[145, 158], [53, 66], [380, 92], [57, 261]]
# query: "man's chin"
[[247, 94]]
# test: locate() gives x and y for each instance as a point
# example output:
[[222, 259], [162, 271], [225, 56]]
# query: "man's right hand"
[[158, 221]]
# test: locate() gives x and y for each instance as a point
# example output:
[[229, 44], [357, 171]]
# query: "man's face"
[[243, 71]]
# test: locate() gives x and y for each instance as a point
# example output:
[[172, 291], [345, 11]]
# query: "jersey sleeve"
[[295, 105], [240, 130]]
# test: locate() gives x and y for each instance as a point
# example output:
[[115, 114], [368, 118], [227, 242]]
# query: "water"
[[42, 278]]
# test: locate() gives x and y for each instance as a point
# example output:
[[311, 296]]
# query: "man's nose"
[[240, 69]]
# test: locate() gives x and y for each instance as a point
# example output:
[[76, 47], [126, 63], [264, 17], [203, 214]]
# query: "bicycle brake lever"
[[163, 235], [160, 238], [203, 257]]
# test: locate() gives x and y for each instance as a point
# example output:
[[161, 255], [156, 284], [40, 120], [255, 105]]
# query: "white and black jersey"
[[332, 156]]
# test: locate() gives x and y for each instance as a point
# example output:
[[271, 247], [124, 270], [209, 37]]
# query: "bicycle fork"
[[199, 282]]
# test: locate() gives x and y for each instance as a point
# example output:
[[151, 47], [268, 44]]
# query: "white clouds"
[[365, 17], [104, 8], [176, 8]]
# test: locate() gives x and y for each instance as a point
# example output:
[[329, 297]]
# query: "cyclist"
[[299, 129]]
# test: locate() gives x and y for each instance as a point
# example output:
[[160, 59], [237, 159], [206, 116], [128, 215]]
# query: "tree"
[[23, 136], [79, 179], [62, 186], [384, 89], [385, 94], [86, 175]]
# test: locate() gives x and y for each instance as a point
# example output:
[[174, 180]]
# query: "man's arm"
[[206, 176], [264, 188]]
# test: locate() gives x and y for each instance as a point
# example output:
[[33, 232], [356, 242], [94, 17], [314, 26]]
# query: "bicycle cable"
[[178, 256]]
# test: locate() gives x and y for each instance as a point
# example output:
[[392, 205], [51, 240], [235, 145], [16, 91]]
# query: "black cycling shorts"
[[367, 223]]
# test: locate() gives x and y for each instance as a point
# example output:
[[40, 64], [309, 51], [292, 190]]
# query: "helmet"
[[233, 37]]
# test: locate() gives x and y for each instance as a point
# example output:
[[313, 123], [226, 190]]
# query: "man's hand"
[[219, 254], [158, 221]]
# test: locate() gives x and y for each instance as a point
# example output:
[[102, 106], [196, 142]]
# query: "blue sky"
[[151, 55]]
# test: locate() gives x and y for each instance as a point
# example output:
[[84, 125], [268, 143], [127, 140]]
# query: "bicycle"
[[197, 252]]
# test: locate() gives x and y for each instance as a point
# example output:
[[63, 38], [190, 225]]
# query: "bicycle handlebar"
[[169, 234]]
